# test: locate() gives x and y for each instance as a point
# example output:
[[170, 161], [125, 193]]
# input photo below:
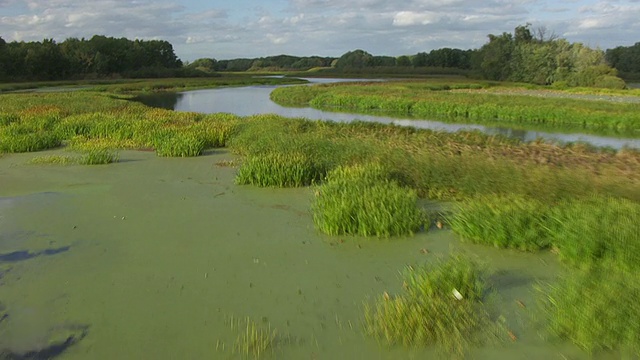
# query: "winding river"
[[253, 100]]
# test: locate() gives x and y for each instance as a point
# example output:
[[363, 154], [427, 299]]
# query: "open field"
[[564, 213]]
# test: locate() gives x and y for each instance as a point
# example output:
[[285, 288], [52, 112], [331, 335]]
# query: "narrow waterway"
[[253, 100]]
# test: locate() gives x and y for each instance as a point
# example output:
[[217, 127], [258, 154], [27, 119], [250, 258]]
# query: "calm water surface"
[[159, 254], [252, 100]]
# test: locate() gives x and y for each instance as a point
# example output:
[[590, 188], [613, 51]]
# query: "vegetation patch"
[[507, 221], [596, 309], [361, 200], [440, 305], [99, 156], [598, 228], [279, 170], [178, 144]]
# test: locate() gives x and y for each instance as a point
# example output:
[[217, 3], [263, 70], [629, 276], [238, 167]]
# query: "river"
[[253, 100]]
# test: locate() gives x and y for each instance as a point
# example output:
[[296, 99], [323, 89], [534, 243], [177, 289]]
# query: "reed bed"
[[588, 231], [428, 102], [441, 305], [597, 309], [502, 221], [279, 170], [361, 200]]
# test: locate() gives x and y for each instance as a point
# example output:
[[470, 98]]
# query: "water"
[[162, 252], [252, 100]]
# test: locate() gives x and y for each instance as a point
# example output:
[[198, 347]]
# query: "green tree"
[[354, 59]]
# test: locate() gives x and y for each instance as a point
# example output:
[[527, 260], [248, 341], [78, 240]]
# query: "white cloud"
[[318, 27], [407, 18]]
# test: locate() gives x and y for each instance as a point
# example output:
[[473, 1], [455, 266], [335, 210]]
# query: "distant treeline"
[[626, 59], [75, 58], [523, 56]]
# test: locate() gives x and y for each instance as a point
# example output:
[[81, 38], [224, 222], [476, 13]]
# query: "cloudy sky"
[[250, 28]]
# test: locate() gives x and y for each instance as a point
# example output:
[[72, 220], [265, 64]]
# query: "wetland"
[[235, 235]]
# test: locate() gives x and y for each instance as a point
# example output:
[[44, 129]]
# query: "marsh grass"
[[441, 305], [252, 340], [597, 228], [53, 160], [508, 221], [18, 140], [361, 200], [99, 156], [279, 170], [179, 144], [597, 309]]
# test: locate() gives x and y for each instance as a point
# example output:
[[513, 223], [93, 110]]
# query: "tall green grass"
[[361, 200], [423, 100], [279, 170], [441, 305], [597, 228], [508, 221], [596, 309]]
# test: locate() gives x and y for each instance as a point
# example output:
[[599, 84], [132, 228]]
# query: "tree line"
[[74, 58], [526, 55]]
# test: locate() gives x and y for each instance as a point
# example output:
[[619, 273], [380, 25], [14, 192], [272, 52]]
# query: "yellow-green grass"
[[440, 305], [278, 169], [426, 100], [597, 309], [361, 200]]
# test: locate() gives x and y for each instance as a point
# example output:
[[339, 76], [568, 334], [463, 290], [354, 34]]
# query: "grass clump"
[[99, 156], [440, 305], [179, 144], [597, 228], [507, 221], [253, 340], [596, 309], [53, 160], [278, 169], [361, 200]]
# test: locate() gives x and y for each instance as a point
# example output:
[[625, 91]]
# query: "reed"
[[98, 156], [588, 231], [440, 305], [361, 200], [597, 309], [178, 144], [279, 170], [508, 221], [253, 340]]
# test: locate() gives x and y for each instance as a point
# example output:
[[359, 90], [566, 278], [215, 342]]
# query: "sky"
[[244, 28]]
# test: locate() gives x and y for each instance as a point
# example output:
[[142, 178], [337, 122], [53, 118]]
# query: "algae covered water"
[[154, 258]]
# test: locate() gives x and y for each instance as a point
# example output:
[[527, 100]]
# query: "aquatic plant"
[[597, 309], [253, 340], [278, 169], [53, 160], [441, 305], [505, 221], [98, 156], [361, 200], [17, 139], [178, 144], [588, 231]]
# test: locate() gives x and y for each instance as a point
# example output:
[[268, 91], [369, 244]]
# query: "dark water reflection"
[[253, 100]]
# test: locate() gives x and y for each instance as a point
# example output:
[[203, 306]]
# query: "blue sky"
[[244, 28]]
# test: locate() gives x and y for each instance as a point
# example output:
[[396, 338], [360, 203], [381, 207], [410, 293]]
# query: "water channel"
[[252, 100]]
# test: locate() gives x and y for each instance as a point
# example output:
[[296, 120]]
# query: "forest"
[[526, 55]]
